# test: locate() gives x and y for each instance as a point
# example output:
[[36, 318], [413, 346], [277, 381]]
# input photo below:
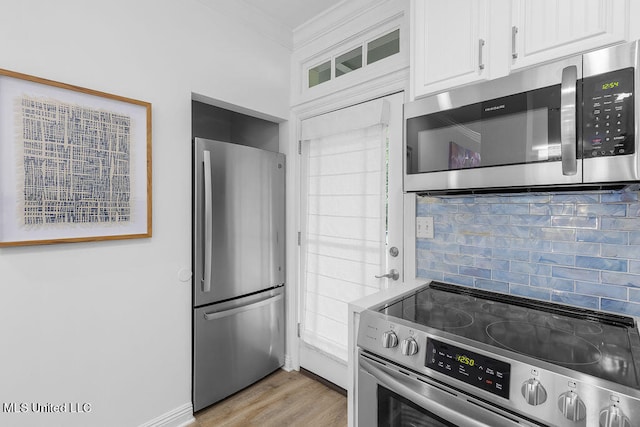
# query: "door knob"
[[393, 275]]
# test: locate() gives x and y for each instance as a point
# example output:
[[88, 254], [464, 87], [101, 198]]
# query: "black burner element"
[[438, 316], [544, 343]]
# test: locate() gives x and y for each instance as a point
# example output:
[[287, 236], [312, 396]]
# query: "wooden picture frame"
[[75, 163]]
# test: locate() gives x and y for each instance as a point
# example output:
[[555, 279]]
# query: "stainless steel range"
[[447, 355]]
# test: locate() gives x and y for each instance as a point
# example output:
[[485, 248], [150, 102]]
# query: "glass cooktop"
[[596, 343]]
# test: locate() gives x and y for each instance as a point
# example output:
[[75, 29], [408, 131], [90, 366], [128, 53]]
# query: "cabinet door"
[[548, 29], [448, 43]]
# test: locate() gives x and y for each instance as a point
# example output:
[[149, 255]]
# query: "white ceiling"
[[292, 13]]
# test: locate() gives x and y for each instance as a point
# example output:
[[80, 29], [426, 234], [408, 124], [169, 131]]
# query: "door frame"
[[389, 84]]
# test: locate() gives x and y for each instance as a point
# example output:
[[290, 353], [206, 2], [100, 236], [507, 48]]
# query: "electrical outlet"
[[424, 227]]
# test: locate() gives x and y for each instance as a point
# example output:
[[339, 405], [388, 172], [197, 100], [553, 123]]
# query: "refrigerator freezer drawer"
[[235, 344]]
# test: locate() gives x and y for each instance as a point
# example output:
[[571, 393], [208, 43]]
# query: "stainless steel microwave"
[[559, 125]]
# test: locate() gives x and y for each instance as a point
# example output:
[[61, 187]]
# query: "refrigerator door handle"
[[208, 222], [231, 312]]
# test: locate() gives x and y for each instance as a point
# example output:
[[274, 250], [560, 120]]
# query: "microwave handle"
[[568, 120]]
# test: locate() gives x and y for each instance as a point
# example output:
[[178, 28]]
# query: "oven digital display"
[[465, 359], [472, 368]]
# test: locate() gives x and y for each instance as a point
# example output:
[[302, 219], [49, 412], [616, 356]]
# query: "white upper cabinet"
[[544, 30], [449, 44], [457, 42]]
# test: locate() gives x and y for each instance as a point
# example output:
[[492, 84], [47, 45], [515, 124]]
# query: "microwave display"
[[608, 114], [516, 129]]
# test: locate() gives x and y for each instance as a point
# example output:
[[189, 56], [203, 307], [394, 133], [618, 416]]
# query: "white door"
[[351, 223]]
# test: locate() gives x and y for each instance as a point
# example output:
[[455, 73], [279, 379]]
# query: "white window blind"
[[344, 177]]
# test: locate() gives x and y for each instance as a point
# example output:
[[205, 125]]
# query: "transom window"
[[355, 58]]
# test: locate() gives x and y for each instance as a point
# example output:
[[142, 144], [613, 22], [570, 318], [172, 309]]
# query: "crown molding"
[[253, 19], [337, 16]]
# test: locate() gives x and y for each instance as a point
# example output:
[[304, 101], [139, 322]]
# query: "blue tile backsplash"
[[581, 249]]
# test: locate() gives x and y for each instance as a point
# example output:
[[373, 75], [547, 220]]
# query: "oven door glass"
[[396, 411], [513, 130]]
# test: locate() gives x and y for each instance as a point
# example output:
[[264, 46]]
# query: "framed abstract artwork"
[[75, 163]]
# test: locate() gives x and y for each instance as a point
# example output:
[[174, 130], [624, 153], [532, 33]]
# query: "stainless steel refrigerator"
[[238, 266]]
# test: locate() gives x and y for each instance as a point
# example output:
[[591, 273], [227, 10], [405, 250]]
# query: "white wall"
[[634, 24], [109, 323]]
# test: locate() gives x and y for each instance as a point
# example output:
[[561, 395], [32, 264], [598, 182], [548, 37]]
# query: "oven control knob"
[[389, 339], [409, 347], [613, 417], [571, 406], [533, 392]]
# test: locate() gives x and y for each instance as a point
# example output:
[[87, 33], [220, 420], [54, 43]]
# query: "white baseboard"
[[325, 365], [179, 417], [288, 364]]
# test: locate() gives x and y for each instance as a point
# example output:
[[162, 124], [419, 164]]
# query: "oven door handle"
[[568, 149], [439, 402]]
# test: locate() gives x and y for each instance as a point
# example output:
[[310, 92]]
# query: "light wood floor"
[[281, 399]]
